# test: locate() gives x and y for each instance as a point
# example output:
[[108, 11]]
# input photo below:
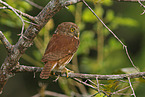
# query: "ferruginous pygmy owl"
[[60, 49]]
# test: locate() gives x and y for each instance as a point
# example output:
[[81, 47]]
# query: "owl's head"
[[68, 28]]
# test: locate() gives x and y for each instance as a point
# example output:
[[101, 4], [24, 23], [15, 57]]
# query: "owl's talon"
[[53, 73], [68, 71]]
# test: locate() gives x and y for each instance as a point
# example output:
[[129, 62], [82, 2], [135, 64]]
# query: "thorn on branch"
[[5, 42]]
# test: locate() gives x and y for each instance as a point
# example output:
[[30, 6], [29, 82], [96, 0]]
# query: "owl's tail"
[[45, 73]]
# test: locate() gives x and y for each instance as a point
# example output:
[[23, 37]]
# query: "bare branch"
[[23, 68], [131, 87], [120, 90], [34, 4], [5, 42], [26, 15], [103, 77], [11, 8], [139, 1], [3, 7], [130, 0], [21, 13], [124, 46], [86, 84], [98, 84]]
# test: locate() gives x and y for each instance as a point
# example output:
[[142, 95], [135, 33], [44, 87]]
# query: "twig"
[[121, 90], [26, 15], [34, 4], [98, 84], [31, 23], [129, 0], [131, 87], [21, 13], [92, 82], [139, 1], [11, 8], [5, 42], [143, 12], [86, 84], [124, 46], [3, 7]]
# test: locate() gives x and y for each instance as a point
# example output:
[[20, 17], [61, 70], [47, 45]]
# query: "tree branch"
[[31, 32], [23, 68], [75, 76], [5, 42], [130, 0], [104, 77]]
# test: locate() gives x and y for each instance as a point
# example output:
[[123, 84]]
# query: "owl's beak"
[[77, 34]]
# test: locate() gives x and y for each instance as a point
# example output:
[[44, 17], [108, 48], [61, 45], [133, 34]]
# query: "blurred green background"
[[99, 52]]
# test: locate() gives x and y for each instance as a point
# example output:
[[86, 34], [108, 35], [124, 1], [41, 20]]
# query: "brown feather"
[[59, 47], [47, 69]]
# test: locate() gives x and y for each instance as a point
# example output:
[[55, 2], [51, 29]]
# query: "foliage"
[[106, 57]]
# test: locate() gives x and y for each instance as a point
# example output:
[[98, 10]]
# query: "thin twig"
[[131, 87], [98, 85], [121, 90], [26, 15], [139, 1], [22, 13], [31, 23], [3, 7], [92, 82], [34, 4], [143, 12], [130, 0], [124, 46], [11, 8], [86, 84]]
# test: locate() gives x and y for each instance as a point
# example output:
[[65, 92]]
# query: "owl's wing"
[[59, 47]]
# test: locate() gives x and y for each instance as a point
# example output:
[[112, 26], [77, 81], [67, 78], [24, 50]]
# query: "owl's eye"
[[72, 29]]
